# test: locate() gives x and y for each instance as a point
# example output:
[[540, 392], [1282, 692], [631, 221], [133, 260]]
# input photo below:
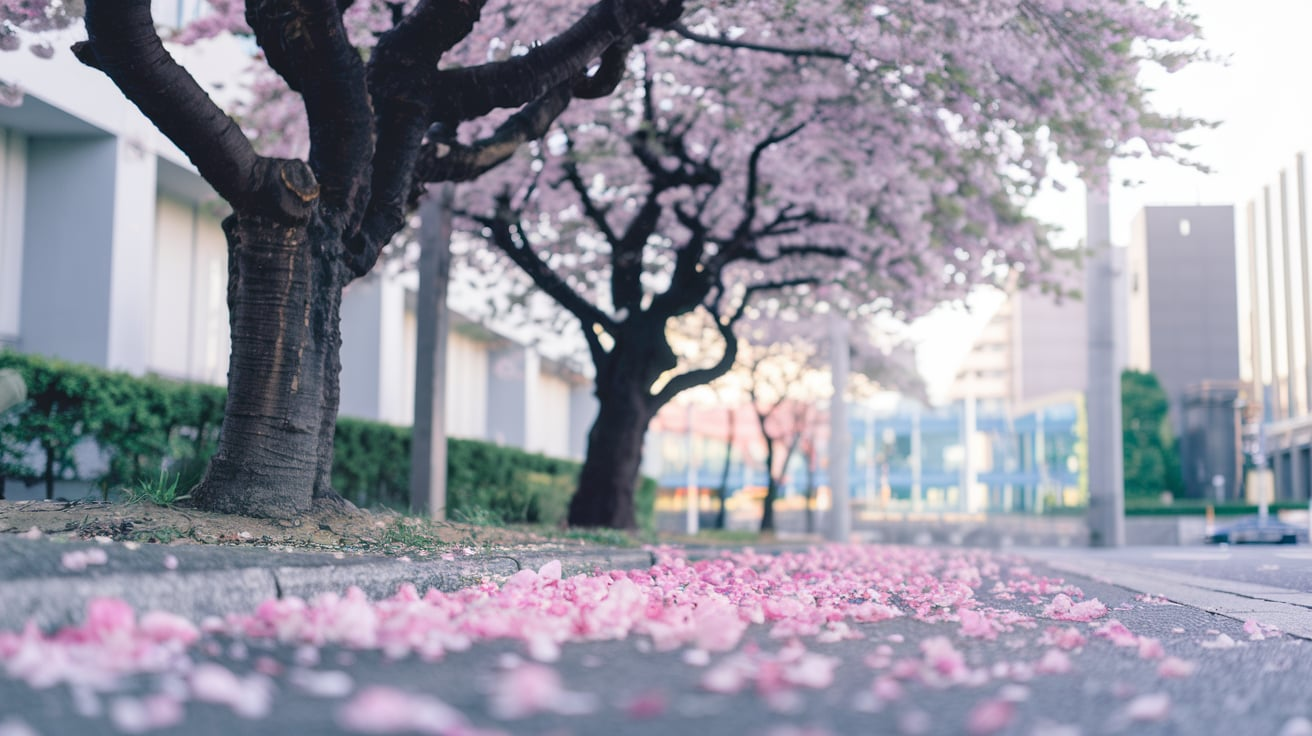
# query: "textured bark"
[[722, 516], [610, 470], [626, 406], [275, 448]]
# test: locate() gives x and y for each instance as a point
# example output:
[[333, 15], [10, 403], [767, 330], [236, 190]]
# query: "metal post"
[[916, 501], [1277, 402], [692, 524], [840, 502], [1040, 459], [428, 441], [871, 468], [1291, 356], [1106, 479], [1301, 193], [1254, 311], [967, 454]]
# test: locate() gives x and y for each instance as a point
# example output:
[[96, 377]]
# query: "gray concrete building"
[[1184, 327]]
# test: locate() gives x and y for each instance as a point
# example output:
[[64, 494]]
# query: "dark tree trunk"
[[810, 490], [771, 485], [625, 408], [50, 473], [610, 470], [275, 449]]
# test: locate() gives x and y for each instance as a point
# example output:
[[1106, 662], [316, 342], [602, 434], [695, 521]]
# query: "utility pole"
[[692, 522], [840, 503], [428, 441], [1106, 461]]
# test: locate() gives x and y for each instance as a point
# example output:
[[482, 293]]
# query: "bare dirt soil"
[[324, 530]]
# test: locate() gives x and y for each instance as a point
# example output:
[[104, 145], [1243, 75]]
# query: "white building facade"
[[111, 254]]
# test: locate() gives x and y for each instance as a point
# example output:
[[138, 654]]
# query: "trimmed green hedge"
[[1197, 507], [143, 425], [135, 422], [485, 482]]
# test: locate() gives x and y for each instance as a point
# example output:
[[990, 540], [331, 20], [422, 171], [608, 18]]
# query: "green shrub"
[[150, 429], [141, 426]]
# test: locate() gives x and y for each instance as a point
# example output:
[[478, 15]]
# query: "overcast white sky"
[[1265, 108]]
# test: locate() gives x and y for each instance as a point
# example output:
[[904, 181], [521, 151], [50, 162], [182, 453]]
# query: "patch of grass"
[[162, 491], [728, 536], [606, 537], [478, 516], [158, 536], [408, 532]]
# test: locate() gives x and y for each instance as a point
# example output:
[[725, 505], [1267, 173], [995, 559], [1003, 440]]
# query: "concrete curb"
[[221, 581], [1287, 610]]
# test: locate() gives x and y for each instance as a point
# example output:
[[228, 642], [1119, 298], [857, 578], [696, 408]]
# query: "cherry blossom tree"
[[393, 95], [875, 158]]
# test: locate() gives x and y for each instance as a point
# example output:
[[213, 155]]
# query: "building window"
[[1185, 227]]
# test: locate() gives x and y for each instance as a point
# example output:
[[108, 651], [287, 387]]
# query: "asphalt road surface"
[[1240, 685]]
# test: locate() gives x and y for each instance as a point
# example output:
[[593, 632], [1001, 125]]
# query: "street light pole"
[[840, 507], [1106, 462], [428, 441]]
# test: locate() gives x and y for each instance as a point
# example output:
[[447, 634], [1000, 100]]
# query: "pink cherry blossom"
[[990, 717], [1063, 608], [139, 715], [1175, 667], [1151, 707], [535, 688], [386, 710]]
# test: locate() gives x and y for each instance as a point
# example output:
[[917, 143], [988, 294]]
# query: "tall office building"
[[1034, 346], [1279, 315], [1184, 327]]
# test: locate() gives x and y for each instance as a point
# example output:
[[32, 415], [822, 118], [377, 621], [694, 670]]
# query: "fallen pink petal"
[[1151, 707], [990, 717]]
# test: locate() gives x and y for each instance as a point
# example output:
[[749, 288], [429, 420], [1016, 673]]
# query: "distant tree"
[[785, 366], [1152, 464], [872, 157]]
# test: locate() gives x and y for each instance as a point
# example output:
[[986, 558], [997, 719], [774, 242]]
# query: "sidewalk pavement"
[[1288, 610], [51, 582]]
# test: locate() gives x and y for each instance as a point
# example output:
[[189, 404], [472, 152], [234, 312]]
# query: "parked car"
[[1255, 530]]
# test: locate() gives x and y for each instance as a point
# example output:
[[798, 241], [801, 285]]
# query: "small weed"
[[158, 536], [162, 491], [407, 532], [728, 536], [478, 516], [605, 537]]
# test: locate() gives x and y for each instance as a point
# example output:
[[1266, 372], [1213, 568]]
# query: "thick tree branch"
[[520, 251], [755, 289], [742, 233], [649, 145], [400, 75], [306, 44], [609, 74], [590, 207], [700, 376], [626, 255], [815, 53], [444, 159], [690, 282], [799, 251], [471, 92], [123, 44]]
